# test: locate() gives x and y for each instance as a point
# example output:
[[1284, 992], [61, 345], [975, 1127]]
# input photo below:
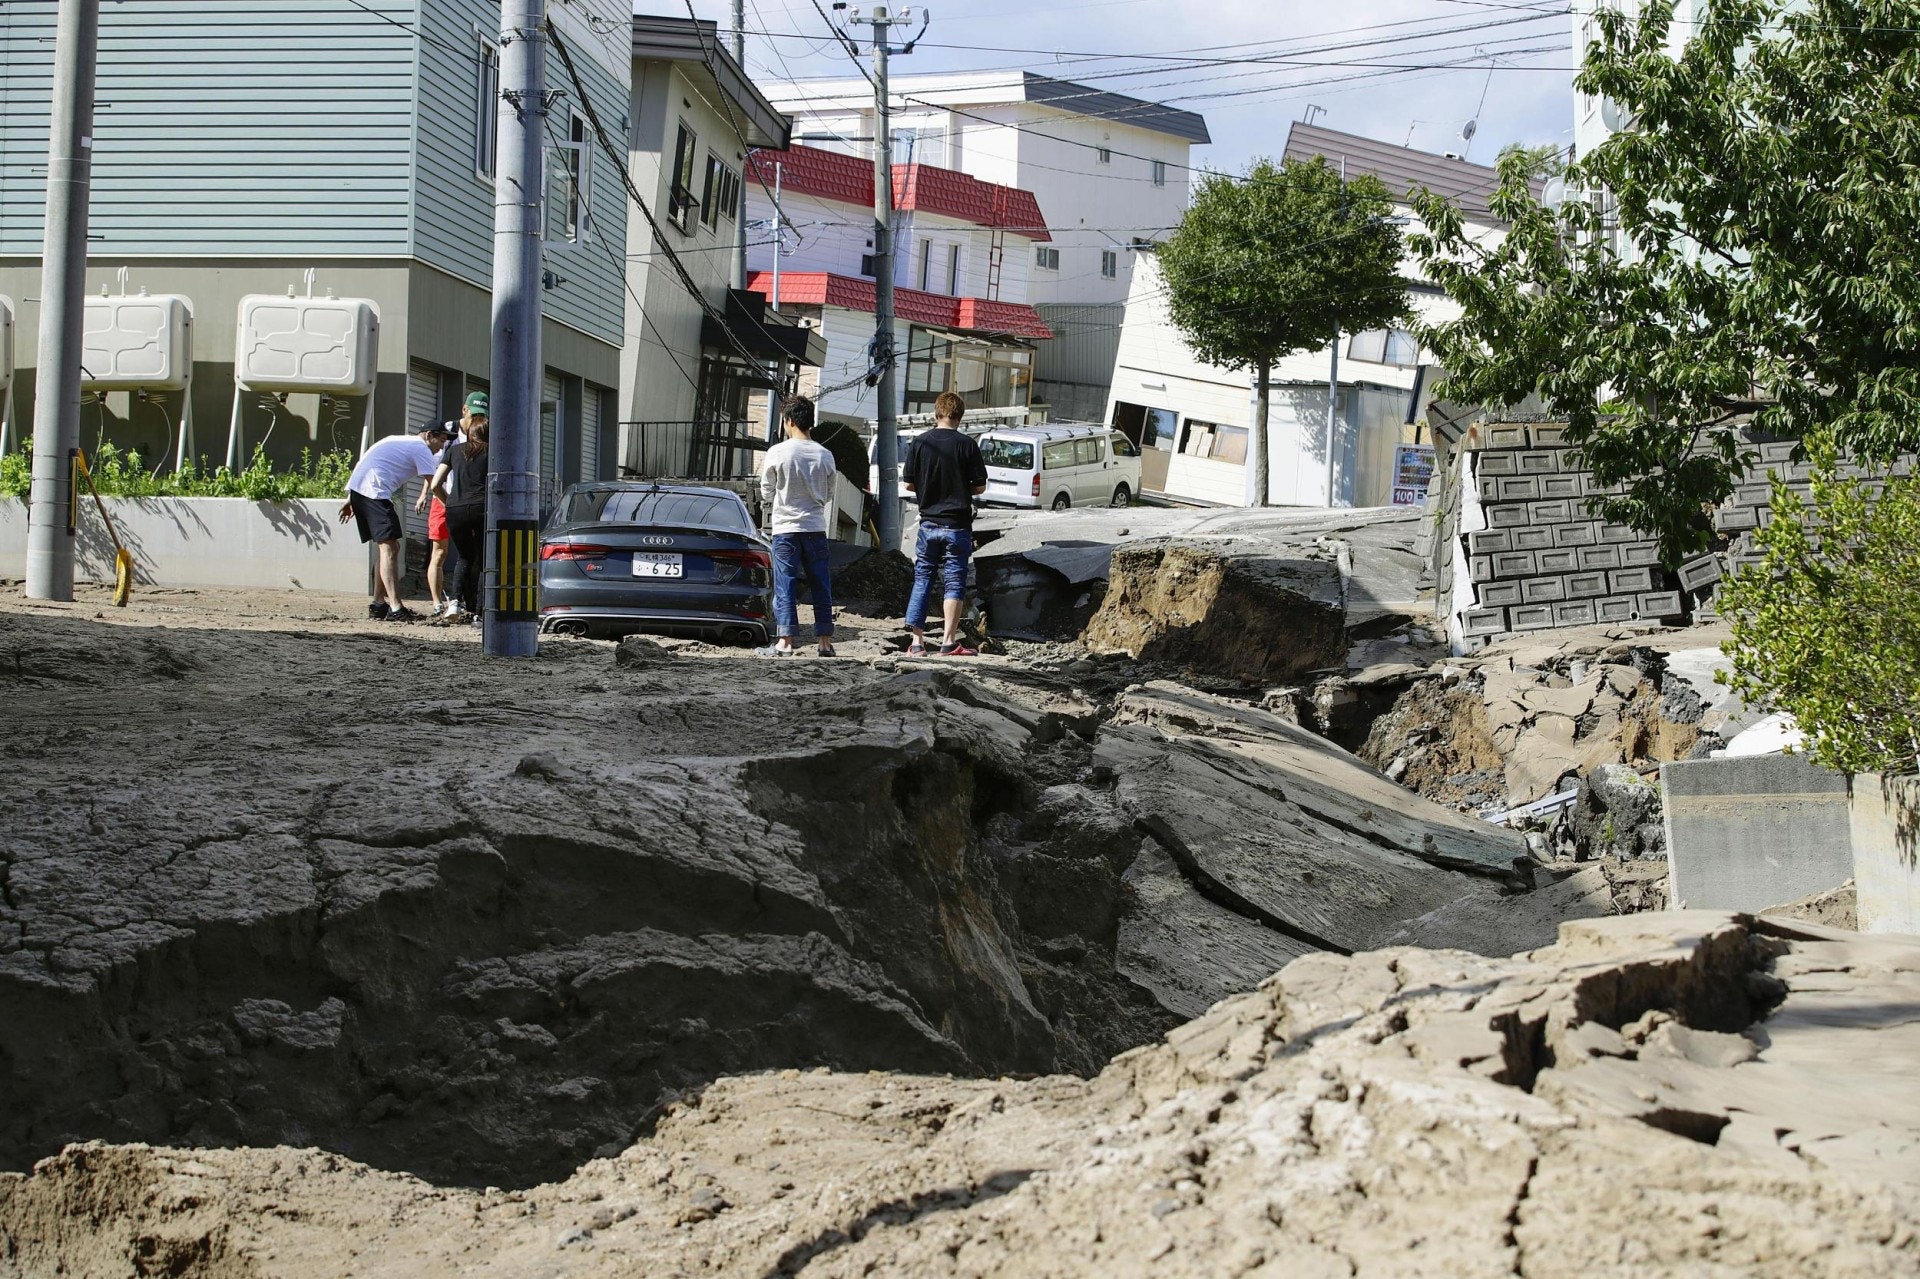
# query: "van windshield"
[[1012, 455]]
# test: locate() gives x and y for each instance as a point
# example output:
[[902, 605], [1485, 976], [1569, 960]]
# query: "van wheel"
[[1123, 496], [1062, 502]]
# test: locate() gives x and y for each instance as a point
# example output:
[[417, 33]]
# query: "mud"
[[1231, 611], [277, 877], [1664, 1095]]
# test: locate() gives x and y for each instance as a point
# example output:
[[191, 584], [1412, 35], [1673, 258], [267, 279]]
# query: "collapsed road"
[[338, 890]]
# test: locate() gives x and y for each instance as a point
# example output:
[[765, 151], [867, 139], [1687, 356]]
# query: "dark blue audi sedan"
[[666, 559]]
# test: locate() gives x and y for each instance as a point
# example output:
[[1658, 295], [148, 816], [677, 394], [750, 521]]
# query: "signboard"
[[1412, 471]]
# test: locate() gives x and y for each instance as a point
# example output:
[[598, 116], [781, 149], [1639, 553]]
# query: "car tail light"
[[1036, 485], [573, 551], [746, 567]]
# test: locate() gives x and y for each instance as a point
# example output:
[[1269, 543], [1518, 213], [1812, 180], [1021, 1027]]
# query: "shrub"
[[1827, 626], [123, 473]]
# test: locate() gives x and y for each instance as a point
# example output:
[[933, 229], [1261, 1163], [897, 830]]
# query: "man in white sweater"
[[797, 478]]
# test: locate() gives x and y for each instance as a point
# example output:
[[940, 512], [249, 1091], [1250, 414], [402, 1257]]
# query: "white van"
[[1058, 466]]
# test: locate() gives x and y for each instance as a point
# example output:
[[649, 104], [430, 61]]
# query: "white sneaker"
[[439, 610]]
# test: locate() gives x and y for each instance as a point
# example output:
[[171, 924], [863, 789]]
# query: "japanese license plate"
[[656, 564]]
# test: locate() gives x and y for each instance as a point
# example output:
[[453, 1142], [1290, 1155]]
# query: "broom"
[[122, 558]]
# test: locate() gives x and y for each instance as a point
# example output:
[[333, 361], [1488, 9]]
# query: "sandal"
[[958, 649], [916, 649], [826, 650]]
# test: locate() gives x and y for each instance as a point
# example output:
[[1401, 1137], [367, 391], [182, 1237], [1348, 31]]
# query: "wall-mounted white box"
[[325, 346], [137, 342]]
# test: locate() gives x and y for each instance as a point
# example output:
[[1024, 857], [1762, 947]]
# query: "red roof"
[[977, 315], [922, 188]]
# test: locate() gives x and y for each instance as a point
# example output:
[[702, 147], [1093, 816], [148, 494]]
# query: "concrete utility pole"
[[739, 43], [63, 287], [511, 613], [887, 426], [1333, 405]]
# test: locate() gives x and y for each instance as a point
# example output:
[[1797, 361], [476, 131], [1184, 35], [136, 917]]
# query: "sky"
[[1405, 71]]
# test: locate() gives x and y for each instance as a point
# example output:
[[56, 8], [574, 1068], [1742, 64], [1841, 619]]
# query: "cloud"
[[1346, 52]]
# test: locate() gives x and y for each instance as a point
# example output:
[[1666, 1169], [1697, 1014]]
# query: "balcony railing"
[[725, 449]]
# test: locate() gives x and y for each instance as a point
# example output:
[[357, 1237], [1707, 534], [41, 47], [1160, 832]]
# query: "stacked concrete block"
[[1545, 559]]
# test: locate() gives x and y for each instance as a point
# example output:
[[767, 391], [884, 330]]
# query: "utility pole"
[[1333, 404], [1333, 372], [887, 426], [511, 613], [777, 365], [739, 42], [63, 287]]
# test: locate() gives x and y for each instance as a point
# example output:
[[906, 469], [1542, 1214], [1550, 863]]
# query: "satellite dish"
[[1553, 193], [1614, 116], [1468, 129]]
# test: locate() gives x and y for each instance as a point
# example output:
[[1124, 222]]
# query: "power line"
[[633, 191]]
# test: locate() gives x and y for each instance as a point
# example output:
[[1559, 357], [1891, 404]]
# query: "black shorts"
[[376, 518]]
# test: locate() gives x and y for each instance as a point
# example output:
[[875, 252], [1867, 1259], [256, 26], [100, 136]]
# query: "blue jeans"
[[945, 550], [795, 554]]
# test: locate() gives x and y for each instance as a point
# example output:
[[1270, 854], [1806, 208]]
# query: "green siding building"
[[240, 143]]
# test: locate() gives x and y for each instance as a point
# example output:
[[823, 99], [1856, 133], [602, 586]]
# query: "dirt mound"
[[1231, 611], [1651, 1096], [877, 583]]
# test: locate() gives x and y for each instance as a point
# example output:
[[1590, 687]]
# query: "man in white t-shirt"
[[385, 469], [797, 478]]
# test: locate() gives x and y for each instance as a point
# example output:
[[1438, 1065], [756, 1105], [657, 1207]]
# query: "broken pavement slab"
[[1283, 828]]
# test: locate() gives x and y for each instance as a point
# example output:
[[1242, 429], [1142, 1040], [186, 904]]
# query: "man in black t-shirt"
[[944, 472]]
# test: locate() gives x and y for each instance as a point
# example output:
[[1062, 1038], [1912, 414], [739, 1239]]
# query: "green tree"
[[1827, 625], [1743, 246], [1282, 260]]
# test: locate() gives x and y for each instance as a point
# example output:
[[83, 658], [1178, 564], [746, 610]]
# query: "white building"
[[1111, 172], [1192, 419], [961, 277], [686, 378]]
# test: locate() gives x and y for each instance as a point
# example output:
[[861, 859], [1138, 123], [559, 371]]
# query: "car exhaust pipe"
[[739, 636], [577, 630]]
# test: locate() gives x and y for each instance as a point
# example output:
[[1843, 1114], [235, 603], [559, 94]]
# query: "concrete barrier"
[[1884, 816], [209, 541], [1748, 833]]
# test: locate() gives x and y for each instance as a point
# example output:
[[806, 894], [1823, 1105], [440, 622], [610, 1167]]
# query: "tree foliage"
[[1278, 261], [1827, 626], [1762, 201]]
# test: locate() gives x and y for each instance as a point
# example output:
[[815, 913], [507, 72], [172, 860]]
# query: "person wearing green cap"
[[443, 563]]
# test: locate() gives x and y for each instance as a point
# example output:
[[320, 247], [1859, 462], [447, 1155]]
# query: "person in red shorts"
[[439, 540]]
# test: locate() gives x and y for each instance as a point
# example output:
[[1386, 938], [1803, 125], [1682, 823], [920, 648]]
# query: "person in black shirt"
[[460, 481], [944, 472]]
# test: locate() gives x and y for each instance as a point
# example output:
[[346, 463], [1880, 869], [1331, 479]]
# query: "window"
[[1122, 446], [1159, 173], [1086, 452], [579, 178], [866, 265], [953, 270], [717, 193], [926, 266], [1010, 455], [1103, 155], [983, 374], [1384, 346], [1109, 264], [1046, 259], [486, 107], [1219, 443], [680, 199], [1056, 456]]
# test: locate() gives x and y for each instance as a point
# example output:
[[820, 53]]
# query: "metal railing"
[[724, 449]]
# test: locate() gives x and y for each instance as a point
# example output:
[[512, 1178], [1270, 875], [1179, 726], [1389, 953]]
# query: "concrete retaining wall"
[[1885, 823], [1754, 832], [209, 541]]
